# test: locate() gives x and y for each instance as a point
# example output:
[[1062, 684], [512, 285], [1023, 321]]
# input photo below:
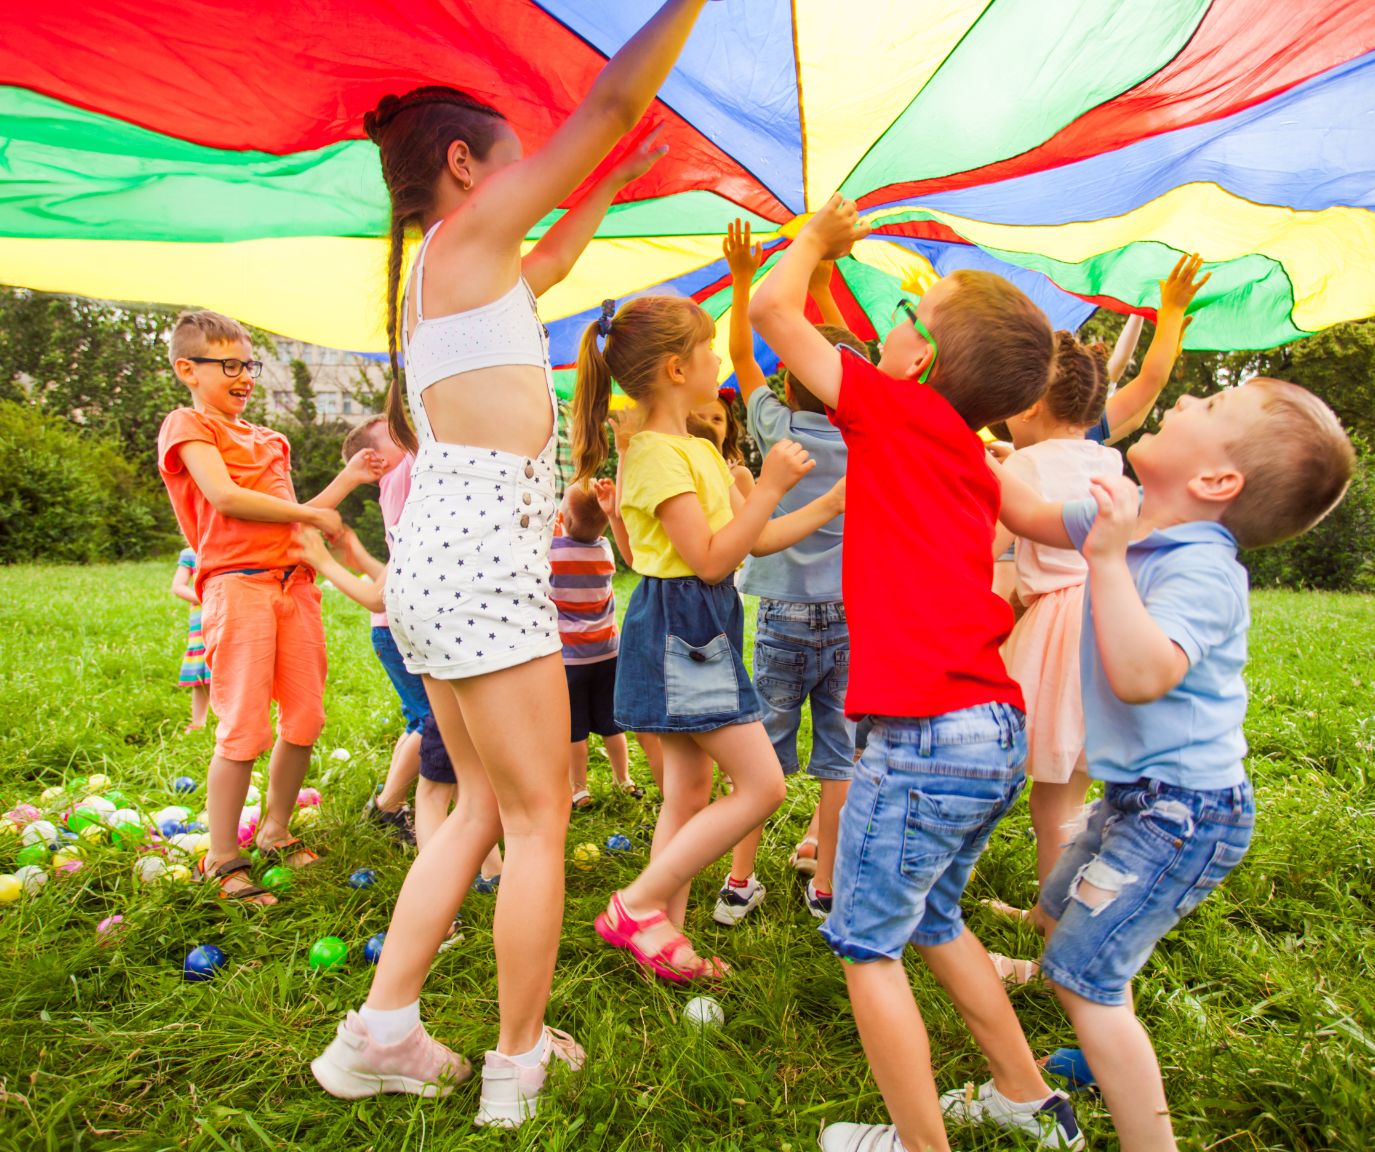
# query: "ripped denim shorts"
[[1148, 855], [680, 667]]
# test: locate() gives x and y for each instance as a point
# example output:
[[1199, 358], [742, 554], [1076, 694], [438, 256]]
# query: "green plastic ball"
[[277, 879], [32, 854], [128, 835], [82, 818], [328, 952], [117, 798]]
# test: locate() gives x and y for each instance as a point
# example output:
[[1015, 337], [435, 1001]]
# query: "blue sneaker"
[[818, 905], [734, 904], [487, 885]]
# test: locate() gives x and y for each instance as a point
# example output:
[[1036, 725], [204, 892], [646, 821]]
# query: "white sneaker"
[[1051, 1119], [355, 1066], [511, 1092], [734, 904], [859, 1138]]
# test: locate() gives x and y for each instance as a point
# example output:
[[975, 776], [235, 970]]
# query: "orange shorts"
[[264, 641]]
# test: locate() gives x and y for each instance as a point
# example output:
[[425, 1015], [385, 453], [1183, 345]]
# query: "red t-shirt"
[[256, 458], [917, 561]]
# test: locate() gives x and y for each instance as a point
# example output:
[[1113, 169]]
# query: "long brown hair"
[[1078, 389], [642, 333], [413, 133]]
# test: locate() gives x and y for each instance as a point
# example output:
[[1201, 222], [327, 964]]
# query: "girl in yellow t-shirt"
[[681, 673]]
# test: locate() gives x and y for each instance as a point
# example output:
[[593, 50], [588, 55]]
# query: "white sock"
[[391, 1025], [534, 1056]]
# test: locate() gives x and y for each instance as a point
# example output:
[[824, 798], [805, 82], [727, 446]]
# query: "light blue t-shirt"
[[1195, 589], [809, 571]]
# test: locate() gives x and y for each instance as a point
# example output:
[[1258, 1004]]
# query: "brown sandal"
[[283, 853], [227, 871]]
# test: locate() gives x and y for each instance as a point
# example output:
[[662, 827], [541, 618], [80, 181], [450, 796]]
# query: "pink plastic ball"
[[308, 798], [247, 830], [69, 868], [23, 814], [108, 925]]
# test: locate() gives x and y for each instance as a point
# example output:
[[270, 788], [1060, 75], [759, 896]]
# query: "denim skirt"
[[680, 667]]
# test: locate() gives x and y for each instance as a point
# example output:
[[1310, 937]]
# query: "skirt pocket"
[[700, 680]]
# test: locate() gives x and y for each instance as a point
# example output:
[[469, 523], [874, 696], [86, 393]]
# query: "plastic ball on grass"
[[616, 842], [362, 878], [247, 830], [11, 888], [172, 812], [170, 828], [372, 950], [128, 834], [150, 869], [327, 952], [277, 879], [33, 854], [23, 814], [202, 963], [95, 833], [253, 795], [8, 829], [53, 796], [31, 877], [308, 798], [343, 755], [703, 1012], [305, 817], [585, 856], [117, 798], [97, 804], [67, 861], [79, 819], [98, 783], [39, 832], [109, 929], [183, 784]]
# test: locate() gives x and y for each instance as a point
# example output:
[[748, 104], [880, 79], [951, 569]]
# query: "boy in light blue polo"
[[1163, 652]]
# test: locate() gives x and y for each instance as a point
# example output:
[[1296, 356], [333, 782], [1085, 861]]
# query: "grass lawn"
[[1262, 1004]]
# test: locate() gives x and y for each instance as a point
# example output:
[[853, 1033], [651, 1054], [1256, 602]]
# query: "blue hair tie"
[[608, 311]]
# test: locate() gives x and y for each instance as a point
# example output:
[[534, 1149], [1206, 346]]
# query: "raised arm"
[[819, 289], [1123, 350], [555, 253], [364, 467], [778, 309], [743, 259], [715, 555], [785, 531], [508, 205], [1141, 662], [1025, 514], [207, 469], [1129, 406]]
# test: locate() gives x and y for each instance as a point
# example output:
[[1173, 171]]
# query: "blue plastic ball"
[[170, 828], [372, 950], [183, 784], [362, 878], [195, 826], [202, 963], [618, 843]]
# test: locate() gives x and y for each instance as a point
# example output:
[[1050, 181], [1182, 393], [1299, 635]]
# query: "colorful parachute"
[[211, 153]]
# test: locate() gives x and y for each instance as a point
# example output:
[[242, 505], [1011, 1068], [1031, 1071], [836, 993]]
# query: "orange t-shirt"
[[256, 458]]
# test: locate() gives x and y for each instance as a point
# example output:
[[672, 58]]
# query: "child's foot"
[[631, 789], [511, 1089], [288, 851], [1014, 972], [355, 1065], [1050, 1119], [803, 859], [400, 822], [453, 934], [582, 800], [193, 728], [1002, 908], [736, 900], [234, 880], [818, 903], [656, 945], [859, 1138]]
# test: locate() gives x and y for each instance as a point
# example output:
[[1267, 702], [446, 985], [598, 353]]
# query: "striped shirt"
[[580, 581]]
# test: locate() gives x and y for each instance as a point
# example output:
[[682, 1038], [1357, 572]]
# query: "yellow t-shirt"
[[658, 467]]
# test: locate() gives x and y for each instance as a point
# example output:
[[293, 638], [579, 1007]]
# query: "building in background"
[[346, 384]]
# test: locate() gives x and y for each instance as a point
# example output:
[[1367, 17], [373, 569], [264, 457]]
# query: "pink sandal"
[[621, 933]]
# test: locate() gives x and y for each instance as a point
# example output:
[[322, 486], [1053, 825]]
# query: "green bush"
[[68, 496], [1339, 554]]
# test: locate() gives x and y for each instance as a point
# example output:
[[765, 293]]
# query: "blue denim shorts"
[[926, 796], [680, 667], [802, 651], [1161, 849], [415, 705]]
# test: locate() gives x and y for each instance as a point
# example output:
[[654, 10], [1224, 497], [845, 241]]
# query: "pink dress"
[[1042, 654]]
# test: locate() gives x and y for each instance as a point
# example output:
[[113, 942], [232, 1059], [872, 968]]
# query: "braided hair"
[[1078, 381]]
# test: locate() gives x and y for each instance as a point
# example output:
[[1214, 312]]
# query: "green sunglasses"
[[906, 310]]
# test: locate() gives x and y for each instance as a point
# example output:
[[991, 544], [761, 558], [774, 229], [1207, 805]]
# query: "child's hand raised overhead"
[[605, 492], [835, 228], [1177, 291], [1119, 506], [642, 155], [742, 259], [786, 464]]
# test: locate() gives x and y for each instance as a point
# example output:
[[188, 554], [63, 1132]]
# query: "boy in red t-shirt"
[[230, 485], [944, 762]]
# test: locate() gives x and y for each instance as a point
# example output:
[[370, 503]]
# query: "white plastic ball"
[[341, 754], [173, 812], [123, 816], [39, 832], [32, 877], [98, 783], [704, 1012], [97, 804], [150, 869]]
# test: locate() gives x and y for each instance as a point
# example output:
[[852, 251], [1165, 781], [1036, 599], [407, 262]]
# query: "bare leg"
[[432, 800], [894, 1038], [827, 831], [746, 755], [1124, 1063], [687, 790], [405, 767], [744, 854], [200, 707], [618, 752], [964, 970], [577, 766], [1055, 808], [286, 772], [226, 786], [443, 870], [653, 748], [492, 864]]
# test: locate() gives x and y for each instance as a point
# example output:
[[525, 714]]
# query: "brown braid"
[[1078, 382]]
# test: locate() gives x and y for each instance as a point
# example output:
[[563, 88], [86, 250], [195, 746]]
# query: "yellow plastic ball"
[[585, 856], [10, 889]]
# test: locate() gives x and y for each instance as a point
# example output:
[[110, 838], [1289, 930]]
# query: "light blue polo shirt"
[[809, 571], [1196, 590]]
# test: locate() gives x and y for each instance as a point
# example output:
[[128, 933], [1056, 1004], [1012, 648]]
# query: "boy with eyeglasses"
[[230, 486], [944, 761]]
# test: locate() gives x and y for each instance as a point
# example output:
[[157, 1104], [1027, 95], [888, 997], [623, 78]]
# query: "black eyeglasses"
[[231, 366]]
